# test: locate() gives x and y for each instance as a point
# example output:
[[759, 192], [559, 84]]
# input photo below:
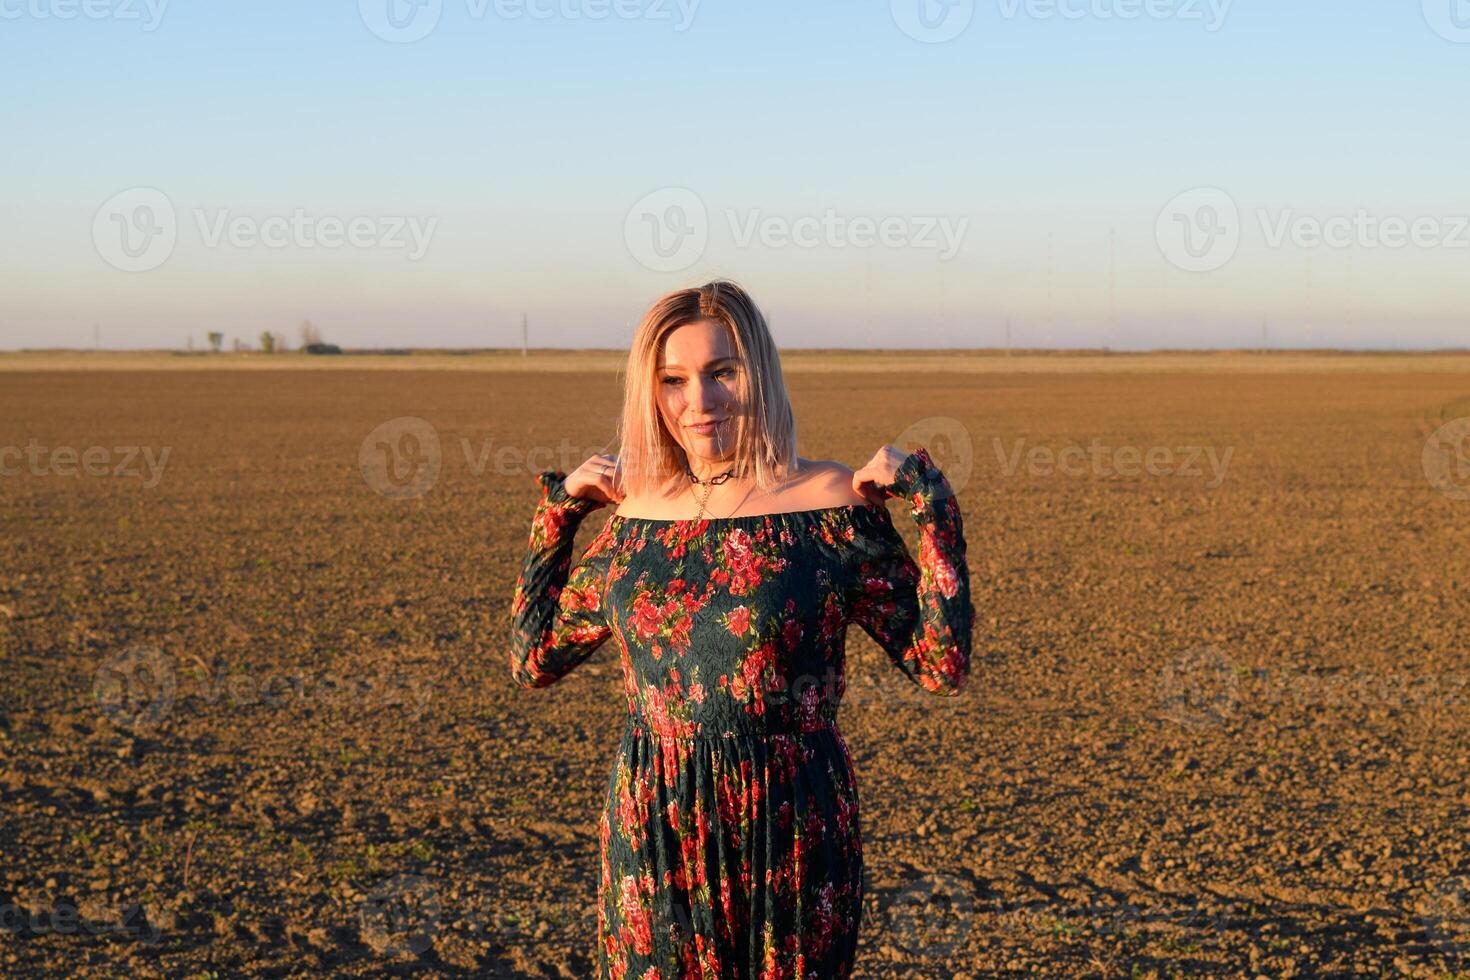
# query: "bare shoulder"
[[646, 505], [825, 483]]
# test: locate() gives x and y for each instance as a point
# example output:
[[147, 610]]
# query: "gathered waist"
[[755, 727]]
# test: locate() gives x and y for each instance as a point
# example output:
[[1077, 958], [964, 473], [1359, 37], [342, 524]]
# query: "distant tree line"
[[272, 342]]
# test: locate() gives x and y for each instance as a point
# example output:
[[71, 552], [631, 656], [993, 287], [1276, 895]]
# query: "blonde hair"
[[765, 439]]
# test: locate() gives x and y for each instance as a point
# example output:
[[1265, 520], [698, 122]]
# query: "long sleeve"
[[557, 615], [920, 614]]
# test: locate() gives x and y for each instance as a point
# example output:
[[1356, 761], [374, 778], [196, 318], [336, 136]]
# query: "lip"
[[706, 428]]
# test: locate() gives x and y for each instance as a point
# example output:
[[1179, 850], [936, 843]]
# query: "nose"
[[704, 398]]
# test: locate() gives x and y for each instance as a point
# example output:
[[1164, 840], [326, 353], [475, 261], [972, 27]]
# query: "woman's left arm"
[[919, 613]]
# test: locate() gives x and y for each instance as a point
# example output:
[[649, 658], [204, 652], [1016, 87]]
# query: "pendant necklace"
[[711, 483]]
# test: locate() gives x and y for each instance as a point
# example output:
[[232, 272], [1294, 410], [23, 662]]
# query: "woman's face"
[[698, 383]]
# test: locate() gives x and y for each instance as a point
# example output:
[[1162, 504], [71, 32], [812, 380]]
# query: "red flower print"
[[739, 620], [730, 843]]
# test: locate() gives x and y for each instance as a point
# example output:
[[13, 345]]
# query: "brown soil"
[[256, 716]]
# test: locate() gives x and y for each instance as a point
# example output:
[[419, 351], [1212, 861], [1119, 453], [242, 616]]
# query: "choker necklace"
[[711, 483]]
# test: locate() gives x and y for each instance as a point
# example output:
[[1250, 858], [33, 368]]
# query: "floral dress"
[[730, 844]]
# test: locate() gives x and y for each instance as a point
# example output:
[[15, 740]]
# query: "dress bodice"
[[737, 625]]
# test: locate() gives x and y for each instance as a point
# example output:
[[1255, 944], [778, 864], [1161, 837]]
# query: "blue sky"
[[1047, 137]]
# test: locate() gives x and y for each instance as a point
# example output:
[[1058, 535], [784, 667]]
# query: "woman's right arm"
[[557, 613]]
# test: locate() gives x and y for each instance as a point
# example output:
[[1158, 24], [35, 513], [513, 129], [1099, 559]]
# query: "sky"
[[1129, 174]]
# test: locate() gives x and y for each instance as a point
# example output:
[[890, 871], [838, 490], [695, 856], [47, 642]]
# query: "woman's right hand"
[[594, 480]]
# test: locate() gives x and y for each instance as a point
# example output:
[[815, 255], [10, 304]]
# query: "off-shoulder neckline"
[[792, 514]]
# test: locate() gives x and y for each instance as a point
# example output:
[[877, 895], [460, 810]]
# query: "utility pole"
[[1311, 303], [1051, 313], [1113, 281], [868, 296]]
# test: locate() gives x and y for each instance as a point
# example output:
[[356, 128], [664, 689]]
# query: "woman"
[[730, 844]]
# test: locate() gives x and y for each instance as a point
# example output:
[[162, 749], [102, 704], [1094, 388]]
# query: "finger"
[[607, 481]]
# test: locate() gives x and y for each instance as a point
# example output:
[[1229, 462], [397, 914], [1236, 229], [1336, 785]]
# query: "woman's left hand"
[[873, 481]]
